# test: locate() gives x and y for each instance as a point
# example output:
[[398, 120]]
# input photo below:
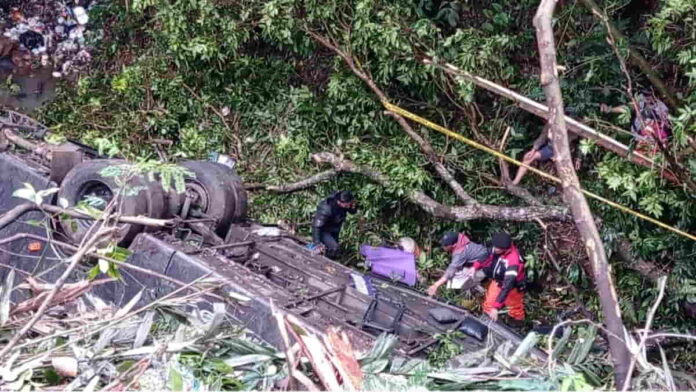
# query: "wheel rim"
[[200, 200], [97, 195]]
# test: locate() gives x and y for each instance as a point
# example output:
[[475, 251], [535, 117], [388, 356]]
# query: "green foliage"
[[170, 67], [447, 348]]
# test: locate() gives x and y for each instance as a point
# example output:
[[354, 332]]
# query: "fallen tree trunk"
[[295, 186], [572, 195], [542, 111], [439, 210]]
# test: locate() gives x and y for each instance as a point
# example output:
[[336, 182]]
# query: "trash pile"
[[45, 33]]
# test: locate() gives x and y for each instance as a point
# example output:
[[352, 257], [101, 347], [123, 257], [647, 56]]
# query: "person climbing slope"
[[464, 254], [541, 151], [328, 221]]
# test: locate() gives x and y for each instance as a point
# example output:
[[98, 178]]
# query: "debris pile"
[[51, 33]]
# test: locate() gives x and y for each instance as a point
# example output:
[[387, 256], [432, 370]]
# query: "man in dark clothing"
[[328, 220], [506, 269], [464, 254]]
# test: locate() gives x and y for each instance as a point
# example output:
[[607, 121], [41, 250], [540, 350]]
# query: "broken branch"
[[456, 213], [295, 186], [543, 111], [425, 146], [13, 214]]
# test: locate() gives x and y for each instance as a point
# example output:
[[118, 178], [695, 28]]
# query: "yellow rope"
[[405, 113]]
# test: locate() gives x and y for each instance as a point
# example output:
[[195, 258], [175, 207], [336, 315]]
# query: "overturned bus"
[[201, 232]]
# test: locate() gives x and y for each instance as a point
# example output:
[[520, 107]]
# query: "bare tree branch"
[[295, 186], [646, 330], [16, 212], [571, 190], [123, 264], [425, 146], [635, 56], [456, 213]]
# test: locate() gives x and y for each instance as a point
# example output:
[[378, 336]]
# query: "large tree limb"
[[425, 146], [542, 111], [634, 56], [645, 268], [295, 186], [572, 193], [455, 213]]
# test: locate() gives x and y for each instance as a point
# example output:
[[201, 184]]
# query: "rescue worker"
[[464, 254], [542, 151], [506, 269], [328, 220]]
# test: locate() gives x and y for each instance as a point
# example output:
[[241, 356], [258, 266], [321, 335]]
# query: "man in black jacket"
[[330, 215]]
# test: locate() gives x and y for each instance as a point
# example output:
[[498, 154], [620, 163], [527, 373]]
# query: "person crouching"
[[505, 267]]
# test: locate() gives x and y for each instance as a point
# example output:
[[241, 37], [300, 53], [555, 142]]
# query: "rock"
[[31, 39]]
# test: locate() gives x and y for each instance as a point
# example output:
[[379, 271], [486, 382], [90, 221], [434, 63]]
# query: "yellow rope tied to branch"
[[405, 113]]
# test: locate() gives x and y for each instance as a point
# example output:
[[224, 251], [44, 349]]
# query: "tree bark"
[[634, 56], [572, 195], [643, 267], [439, 210]]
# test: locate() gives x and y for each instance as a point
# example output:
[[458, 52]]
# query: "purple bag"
[[391, 263]]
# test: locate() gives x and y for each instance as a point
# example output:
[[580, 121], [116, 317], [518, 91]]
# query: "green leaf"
[[26, 193], [114, 272], [34, 222], [176, 381], [93, 273], [118, 253], [54, 139], [376, 366], [51, 376], [247, 359]]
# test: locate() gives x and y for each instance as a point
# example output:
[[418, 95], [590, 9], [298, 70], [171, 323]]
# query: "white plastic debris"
[[81, 15], [268, 232]]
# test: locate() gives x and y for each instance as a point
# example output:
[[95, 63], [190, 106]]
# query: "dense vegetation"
[[244, 77]]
